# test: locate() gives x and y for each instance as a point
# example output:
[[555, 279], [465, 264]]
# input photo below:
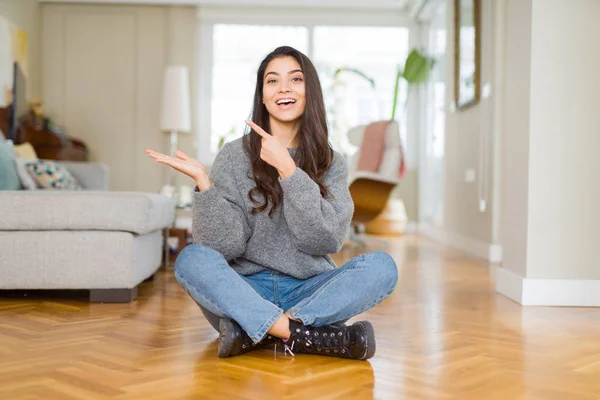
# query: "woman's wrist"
[[203, 183], [287, 170]]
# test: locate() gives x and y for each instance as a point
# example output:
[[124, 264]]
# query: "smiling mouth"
[[285, 103]]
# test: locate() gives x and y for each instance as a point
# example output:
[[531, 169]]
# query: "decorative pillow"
[[26, 151], [9, 177], [51, 175], [27, 180]]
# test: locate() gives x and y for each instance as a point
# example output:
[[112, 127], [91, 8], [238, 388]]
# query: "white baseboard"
[[509, 284], [490, 252], [495, 254], [548, 292]]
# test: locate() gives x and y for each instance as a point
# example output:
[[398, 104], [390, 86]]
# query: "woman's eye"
[[297, 79], [271, 81]]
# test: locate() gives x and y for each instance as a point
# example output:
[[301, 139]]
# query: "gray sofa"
[[107, 242]]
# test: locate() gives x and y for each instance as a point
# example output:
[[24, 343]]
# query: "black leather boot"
[[233, 340], [355, 342]]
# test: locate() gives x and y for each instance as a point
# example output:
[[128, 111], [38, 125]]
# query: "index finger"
[[182, 155], [258, 129], [154, 154]]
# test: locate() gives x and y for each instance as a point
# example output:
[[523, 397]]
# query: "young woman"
[[275, 205]]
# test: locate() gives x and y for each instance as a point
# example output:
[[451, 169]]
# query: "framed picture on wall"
[[467, 53]]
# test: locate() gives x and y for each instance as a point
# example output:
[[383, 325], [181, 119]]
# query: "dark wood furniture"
[[3, 122], [47, 144], [182, 236]]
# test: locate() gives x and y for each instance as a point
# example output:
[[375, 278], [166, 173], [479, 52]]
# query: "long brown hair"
[[314, 154]]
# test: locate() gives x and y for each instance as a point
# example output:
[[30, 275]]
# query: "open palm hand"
[[185, 164]]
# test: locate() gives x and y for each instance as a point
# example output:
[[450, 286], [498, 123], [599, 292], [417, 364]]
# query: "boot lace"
[[317, 342], [327, 342]]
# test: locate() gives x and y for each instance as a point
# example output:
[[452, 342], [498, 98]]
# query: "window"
[[350, 99], [237, 52], [375, 51]]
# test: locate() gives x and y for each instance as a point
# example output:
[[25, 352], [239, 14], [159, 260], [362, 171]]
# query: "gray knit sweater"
[[297, 240]]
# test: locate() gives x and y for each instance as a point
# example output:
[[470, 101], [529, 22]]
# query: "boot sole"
[[371, 345], [227, 341]]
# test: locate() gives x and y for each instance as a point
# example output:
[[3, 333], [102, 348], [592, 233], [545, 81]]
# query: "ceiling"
[[407, 6]]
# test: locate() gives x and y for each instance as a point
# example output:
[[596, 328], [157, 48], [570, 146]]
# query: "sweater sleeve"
[[319, 225], [219, 216]]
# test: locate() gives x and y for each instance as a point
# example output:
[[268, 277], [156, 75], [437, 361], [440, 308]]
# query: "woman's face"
[[284, 90]]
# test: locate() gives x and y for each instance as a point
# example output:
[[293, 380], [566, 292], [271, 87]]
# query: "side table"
[[180, 229]]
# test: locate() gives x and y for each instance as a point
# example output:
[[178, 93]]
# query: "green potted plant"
[[416, 70]]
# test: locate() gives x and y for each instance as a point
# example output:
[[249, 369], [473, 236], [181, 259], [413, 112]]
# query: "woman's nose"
[[284, 88]]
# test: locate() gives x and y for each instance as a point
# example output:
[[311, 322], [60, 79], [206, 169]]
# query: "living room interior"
[[483, 192]]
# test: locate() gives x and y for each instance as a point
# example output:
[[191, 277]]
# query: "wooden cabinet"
[[47, 144]]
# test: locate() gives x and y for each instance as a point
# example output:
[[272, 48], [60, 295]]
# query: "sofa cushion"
[[134, 212], [26, 151], [77, 260], [9, 177]]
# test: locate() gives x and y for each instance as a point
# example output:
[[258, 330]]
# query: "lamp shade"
[[175, 112]]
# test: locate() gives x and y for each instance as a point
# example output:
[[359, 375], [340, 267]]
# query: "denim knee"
[[385, 270], [195, 257]]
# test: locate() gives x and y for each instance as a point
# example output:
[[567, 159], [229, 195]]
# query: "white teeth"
[[285, 101]]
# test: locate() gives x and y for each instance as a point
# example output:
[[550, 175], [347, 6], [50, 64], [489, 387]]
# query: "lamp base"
[[174, 143], [174, 140], [168, 190]]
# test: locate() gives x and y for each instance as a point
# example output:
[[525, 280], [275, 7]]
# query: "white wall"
[[551, 190], [515, 135], [102, 80], [564, 167], [468, 145]]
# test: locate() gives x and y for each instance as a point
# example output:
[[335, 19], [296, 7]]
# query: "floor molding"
[[490, 252], [548, 292], [509, 284], [495, 254]]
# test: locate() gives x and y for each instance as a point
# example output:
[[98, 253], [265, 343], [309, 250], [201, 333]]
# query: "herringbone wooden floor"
[[443, 334]]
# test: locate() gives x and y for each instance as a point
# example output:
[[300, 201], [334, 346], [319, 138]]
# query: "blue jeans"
[[255, 302]]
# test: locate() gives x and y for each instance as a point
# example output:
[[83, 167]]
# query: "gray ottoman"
[[107, 242]]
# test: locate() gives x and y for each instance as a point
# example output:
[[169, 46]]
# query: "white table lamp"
[[175, 112], [175, 115]]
